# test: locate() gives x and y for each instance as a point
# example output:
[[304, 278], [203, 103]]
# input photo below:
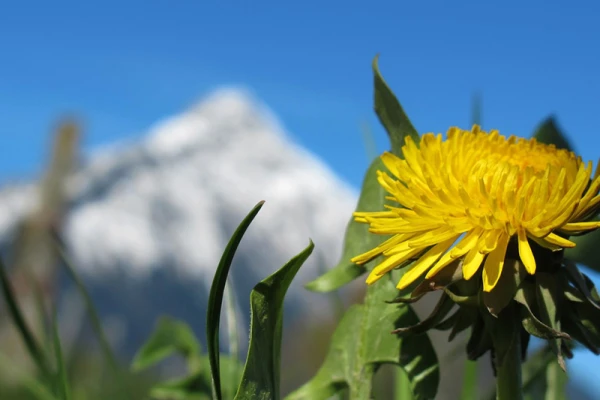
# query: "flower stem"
[[507, 343]]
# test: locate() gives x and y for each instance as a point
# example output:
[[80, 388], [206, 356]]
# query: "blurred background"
[[186, 114]]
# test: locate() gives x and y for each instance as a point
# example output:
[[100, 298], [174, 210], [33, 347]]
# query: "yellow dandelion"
[[469, 195]]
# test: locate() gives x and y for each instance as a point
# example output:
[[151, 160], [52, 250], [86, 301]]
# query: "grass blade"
[[19, 321], [61, 378], [94, 318], [215, 299]]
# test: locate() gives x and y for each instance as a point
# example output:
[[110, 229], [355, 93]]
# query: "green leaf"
[[585, 251], [362, 342], [358, 238], [215, 299], [261, 372], [390, 112], [548, 132], [169, 337], [372, 198], [17, 317], [61, 379]]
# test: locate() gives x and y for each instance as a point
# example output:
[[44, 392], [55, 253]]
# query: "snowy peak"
[[154, 216], [225, 115]]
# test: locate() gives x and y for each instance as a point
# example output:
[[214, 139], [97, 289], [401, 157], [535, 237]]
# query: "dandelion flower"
[[470, 195]]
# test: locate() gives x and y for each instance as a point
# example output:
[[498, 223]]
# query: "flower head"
[[471, 194]]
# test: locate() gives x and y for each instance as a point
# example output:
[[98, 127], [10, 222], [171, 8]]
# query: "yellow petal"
[[425, 262], [494, 264], [558, 240], [580, 226], [525, 252], [391, 163], [472, 262], [390, 263]]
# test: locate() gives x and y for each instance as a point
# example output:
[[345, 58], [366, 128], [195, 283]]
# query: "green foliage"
[[215, 299], [61, 379], [261, 372], [363, 342], [169, 337]]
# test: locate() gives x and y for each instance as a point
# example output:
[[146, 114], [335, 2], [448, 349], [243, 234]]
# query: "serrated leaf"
[[215, 298], [548, 132], [362, 342], [390, 112], [358, 239], [260, 379], [168, 338]]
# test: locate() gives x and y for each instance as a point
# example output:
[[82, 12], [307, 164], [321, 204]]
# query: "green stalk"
[[402, 385], [507, 342]]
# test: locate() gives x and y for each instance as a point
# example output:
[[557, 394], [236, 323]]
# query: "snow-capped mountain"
[[147, 220]]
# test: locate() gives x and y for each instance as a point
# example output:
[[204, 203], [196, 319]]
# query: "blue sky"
[[122, 66]]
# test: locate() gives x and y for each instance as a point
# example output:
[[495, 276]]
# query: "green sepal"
[[583, 283], [450, 274], [442, 308], [480, 341], [526, 296], [503, 293], [466, 318]]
